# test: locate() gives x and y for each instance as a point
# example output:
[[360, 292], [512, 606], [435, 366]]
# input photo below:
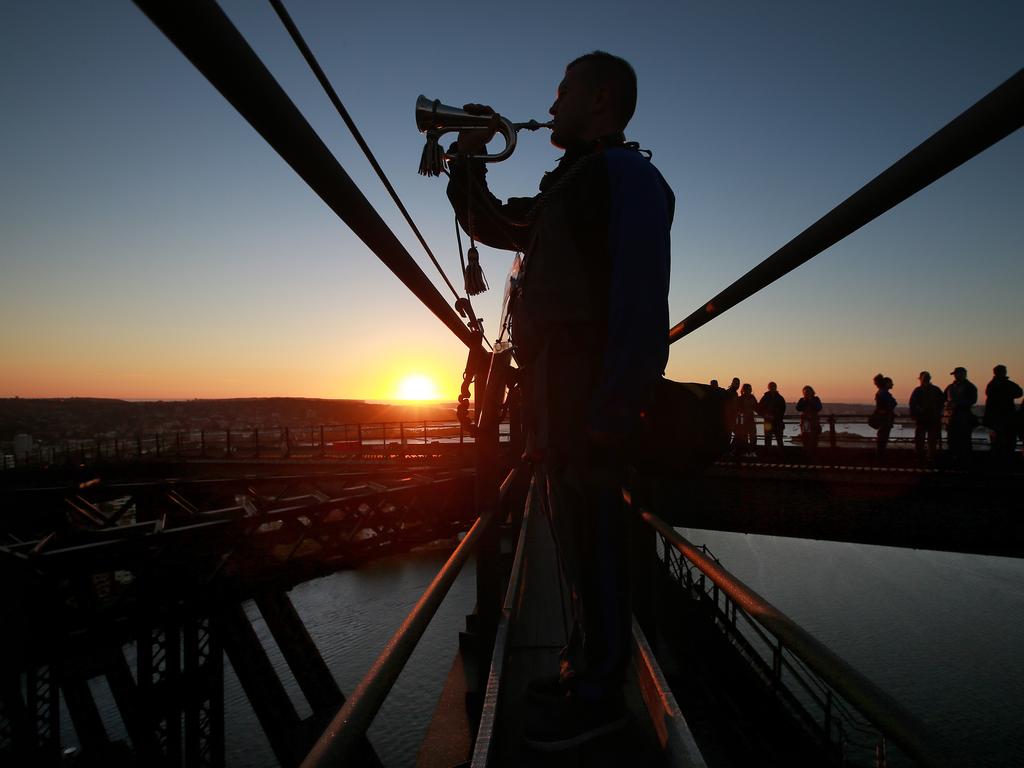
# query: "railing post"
[[777, 663], [322, 440], [401, 438], [828, 714], [287, 442], [643, 555], [177, 443], [256, 440], [227, 442], [202, 443], [832, 431], [359, 437], [138, 444]]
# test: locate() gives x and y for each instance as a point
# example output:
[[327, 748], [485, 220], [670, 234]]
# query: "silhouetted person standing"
[[809, 407], [999, 415], [588, 320], [747, 426], [926, 403], [732, 412], [885, 414], [772, 408], [961, 394]]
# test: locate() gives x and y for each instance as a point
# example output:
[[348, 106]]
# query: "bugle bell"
[[436, 119]]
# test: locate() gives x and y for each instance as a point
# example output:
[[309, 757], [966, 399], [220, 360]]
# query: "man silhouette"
[[999, 413], [772, 408], [926, 409], [961, 394], [589, 321]]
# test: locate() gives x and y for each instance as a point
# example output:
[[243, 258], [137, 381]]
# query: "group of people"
[[771, 407], [931, 408]]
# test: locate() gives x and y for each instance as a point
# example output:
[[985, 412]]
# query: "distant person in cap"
[[999, 416], [926, 403], [772, 407], [961, 394]]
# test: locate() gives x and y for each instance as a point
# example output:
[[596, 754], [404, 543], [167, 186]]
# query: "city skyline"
[[154, 247]]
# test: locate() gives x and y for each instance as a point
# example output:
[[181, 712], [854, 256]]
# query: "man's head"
[[959, 373], [772, 386], [924, 377], [596, 97], [714, 383], [999, 371]]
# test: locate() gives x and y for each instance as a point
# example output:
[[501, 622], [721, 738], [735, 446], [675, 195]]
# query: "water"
[[940, 632]]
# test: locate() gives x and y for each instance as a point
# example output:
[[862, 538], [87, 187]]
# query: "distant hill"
[[85, 417]]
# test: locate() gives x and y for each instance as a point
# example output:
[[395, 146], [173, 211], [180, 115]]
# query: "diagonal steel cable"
[[314, 65], [990, 120]]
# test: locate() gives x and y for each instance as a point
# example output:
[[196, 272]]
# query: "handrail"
[[990, 120], [354, 718], [884, 712], [485, 736]]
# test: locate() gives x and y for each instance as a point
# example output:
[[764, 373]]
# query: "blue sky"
[[152, 244]]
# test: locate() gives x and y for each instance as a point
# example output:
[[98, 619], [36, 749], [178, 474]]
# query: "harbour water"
[[941, 632]]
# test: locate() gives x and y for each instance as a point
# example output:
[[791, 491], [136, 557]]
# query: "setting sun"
[[417, 387]]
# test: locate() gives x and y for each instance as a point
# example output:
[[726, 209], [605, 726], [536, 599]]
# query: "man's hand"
[[474, 142]]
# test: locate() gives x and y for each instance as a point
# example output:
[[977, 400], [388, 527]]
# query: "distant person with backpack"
[[999, 416], [885, 414], [961, 394], [926, 403], [772, 408], [809, 407]]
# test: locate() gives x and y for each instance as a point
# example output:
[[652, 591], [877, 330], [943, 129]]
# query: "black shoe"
[[573, 722]]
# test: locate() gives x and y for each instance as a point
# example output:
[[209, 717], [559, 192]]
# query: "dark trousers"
[[961, 425], [1004, 439], [927, 430], [591, 529], [882, 440], [773, 429]]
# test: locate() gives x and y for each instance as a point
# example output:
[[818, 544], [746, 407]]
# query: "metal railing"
[[351, 722], [370, 441], [831, 698]]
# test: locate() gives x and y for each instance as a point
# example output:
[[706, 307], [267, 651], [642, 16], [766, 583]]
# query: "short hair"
[[925, 375], [616, 72], [772, 385], [999, 370]]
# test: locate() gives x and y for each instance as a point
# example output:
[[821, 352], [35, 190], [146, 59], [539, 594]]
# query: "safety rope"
[[314, 65]]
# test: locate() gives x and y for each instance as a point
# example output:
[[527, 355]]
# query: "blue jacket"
[[590, 319]]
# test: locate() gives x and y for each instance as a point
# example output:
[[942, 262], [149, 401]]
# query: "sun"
[[417, 387]]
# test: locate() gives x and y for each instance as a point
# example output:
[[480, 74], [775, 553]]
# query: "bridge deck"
[[537, 605]]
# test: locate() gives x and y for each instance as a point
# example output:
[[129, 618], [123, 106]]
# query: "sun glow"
[[417, 387]]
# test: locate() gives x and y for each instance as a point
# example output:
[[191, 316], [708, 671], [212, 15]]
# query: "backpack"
[[686, 427]]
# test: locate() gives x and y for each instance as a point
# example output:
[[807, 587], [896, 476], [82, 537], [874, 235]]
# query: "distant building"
[[22, 446]]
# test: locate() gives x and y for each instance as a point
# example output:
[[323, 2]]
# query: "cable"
[[307, 54]]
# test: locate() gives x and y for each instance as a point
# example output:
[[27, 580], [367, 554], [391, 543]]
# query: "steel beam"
[[992, 119], [206, 36]]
